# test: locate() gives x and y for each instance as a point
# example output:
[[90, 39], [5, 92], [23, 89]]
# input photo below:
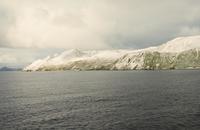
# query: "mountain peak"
[[72, 53], [180, 44]]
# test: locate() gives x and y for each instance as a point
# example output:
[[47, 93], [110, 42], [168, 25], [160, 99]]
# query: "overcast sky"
[[30, 29]]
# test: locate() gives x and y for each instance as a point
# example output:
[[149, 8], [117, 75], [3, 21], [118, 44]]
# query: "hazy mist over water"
[[100, 100]]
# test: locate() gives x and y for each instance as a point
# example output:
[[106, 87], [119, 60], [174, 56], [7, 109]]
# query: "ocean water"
[[100, 100]]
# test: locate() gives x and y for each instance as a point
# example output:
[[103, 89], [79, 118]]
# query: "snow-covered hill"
[[180, 44], [179, 53]]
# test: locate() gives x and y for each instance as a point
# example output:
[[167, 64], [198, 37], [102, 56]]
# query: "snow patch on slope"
[[118, 59]]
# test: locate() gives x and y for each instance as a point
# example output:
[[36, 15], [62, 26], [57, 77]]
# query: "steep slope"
[[189, 59], [180, 53]]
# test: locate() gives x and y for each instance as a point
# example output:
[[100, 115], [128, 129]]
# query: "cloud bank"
[[95, 24]]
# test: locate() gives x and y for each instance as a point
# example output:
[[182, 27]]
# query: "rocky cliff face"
[[180, 53]]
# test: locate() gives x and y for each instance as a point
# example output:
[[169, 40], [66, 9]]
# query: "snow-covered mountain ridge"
[[180, 53]]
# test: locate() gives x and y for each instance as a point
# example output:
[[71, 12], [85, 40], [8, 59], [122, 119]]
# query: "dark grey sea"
[[100, 100]]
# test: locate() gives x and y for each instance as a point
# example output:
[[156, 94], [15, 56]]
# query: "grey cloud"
[[96, 24]]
